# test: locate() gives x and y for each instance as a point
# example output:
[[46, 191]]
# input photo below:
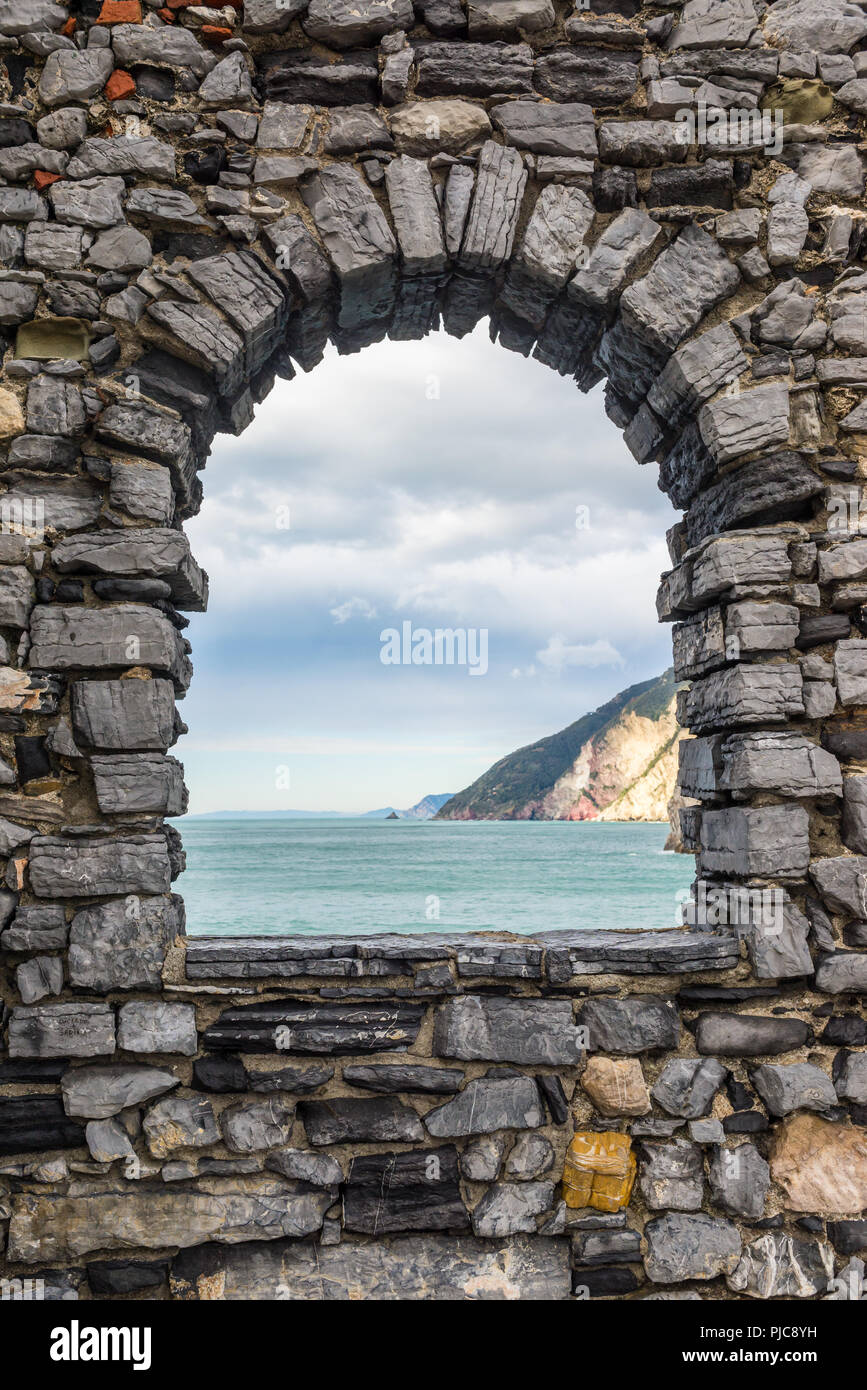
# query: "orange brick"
[[120, 12], [42, 179], [215, 33], [119, 85], [180, 4], [69, 27], [167, 16]]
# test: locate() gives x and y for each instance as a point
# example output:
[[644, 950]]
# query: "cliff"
[[618, 763]]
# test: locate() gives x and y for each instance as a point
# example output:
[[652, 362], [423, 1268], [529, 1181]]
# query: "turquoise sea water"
[[255, 876]]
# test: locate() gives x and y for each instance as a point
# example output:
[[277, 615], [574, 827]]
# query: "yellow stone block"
[[47, 339], [599, 1171]]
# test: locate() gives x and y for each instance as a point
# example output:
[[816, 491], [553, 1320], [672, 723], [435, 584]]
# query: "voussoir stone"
[[487, 1028]]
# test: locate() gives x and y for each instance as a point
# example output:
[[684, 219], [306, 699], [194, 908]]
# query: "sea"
[[272, 877]]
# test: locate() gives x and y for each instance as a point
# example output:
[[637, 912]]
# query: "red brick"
[[42, 179], [119, 85], [120, 12]]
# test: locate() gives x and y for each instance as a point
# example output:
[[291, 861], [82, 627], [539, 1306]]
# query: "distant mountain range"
[[425, 809], [618, 763]]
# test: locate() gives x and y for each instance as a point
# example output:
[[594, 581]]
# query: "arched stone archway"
[[196, 201]]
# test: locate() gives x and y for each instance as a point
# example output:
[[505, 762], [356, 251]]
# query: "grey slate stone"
[[850, 1081], [168, 46], [39, 977], [411, 1191], [595, 75], [28, 16], [149, 553], [357, 239], [546, 257], [748, 1035], [671, 1176], [697, 370], [52, 246], [416, 216], [54, 407], [482, 1159], [390, 1079], [642, 143], [489, 1028], [121, 944], [123, 714], [616, 253], [62, 129], [180, 1122], [340, 24], [262, 1124], [793, 1086], [488, 1104], [97, 1092], [734, 426], [128, 634], [743, 696], [345, 1120], [512, 1208], [532, 1156], [685, 1245], [270, 16], [93, 203], [778, 1266], [495, 209], [139, 783], [410, 1267], [352, 128], [474, 69], [564, 129], [145, 1026], [74, 75], [739, 1180], [107, 1140], [300, 1165], [61, 1030], [22, 205], [842, 882], [17, 596], [768, 841], [84, 868], [686, 1086], [841, 972], [639, 1023]]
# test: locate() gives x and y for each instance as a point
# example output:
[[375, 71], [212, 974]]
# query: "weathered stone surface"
[[488, 1028], [297, 1026], [768, 841], [512, 1208], [152, 553], [748, 1035], [174, 47], [416, 216], [356, 237], [482, 1159], [787, 763], [494, 212], [850, 1077], [739, 1180], [341, 1120], [795, 1086], [564, 129], [107, 1140], [683, 1246], [343, 25], [92, 203], [180, 1122], [425, 127], [758, 419], [816, 26], [54, 1227], [616, 1085], [615, 255], [821, 1167], [743, 696], [487, 1104], [404, 1192], [547, 255], [842, 971], [432, 1268], [82, 868], [62, 1030], [532, 1156], [128, 634], [641, 1023], [139, 783], [671, 1176], [686, 1086], [97, 1093], [143, 1026], [123, 714], [74, 76], [32, 1123], [264, 1124], [474, 69], [319, 1170], [392, 1079], [778, 1266], [595, 75]]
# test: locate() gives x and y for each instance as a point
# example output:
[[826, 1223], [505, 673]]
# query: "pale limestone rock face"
[[422, 127], [821, 1166], [11, 415], [616, 1085]]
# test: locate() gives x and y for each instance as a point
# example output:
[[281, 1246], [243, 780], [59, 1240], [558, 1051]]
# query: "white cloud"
[[354, 607], [559, 654]]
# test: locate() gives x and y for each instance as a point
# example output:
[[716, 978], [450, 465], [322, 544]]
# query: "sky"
[[444, 484]]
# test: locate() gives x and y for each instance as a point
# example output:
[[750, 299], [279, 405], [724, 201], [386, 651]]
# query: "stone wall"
[[195, 201]]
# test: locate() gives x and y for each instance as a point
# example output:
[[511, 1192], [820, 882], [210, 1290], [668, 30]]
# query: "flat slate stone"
[[487, 1104], [344, 1120], [642, 1023], [488, 1028], [32, 1123], [417, 1191], [297, 1026], [432, 1268]]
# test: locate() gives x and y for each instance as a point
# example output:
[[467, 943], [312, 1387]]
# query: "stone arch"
[[196, 202]]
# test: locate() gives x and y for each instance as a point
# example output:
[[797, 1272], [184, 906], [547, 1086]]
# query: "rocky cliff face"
[[618, 763]]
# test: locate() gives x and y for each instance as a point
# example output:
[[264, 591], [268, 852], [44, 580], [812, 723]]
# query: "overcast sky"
[[436, 482]]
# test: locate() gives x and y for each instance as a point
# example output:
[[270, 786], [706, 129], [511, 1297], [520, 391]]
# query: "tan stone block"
[[11, 415], [616, 1085], [821, 1166]]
